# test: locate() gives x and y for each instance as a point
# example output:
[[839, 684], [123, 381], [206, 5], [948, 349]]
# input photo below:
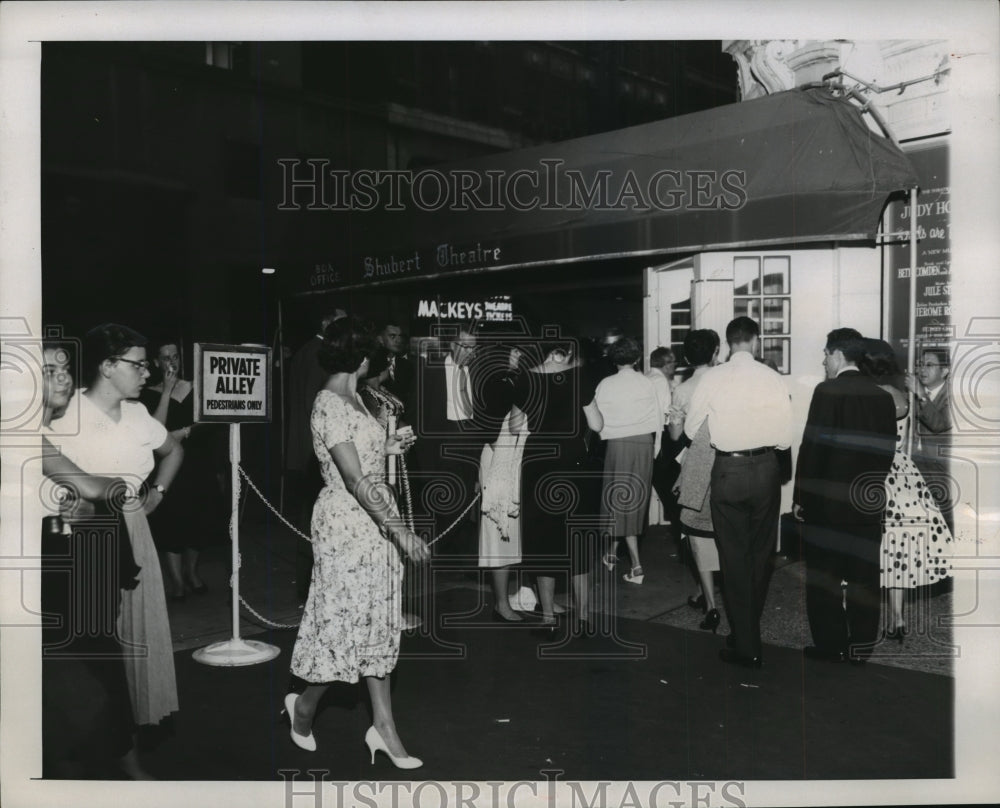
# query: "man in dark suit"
[[450, 441], [391, 371], [846, 453], [933, 425]]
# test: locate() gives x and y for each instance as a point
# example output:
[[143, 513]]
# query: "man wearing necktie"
[[450, 438]]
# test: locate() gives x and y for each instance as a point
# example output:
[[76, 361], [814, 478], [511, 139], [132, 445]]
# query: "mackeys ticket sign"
[[232, 383]]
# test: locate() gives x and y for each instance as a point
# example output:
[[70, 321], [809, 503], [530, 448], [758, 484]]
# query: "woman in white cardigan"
[[629, 415]]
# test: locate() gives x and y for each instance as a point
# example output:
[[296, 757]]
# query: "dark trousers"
[[87, 720], [444, 476], [665, 472], [836, 553], [746, 499]]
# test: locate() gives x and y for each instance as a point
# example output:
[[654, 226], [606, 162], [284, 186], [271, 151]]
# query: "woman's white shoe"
[[307, 742], [373, 739], [635, 576]]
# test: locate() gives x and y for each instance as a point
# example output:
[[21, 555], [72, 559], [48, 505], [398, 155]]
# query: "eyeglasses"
[[142, 365], [929, 365]]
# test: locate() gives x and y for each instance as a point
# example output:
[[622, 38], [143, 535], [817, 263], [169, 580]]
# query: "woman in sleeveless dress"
[[916, 541]]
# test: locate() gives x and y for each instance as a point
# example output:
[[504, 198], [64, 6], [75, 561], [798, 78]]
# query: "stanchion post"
[[392, 459], [234, 521], [236, 651]]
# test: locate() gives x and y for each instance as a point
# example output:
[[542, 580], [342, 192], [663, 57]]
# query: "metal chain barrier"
[[408, 516]]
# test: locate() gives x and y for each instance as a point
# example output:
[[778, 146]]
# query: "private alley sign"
[[232, 383]]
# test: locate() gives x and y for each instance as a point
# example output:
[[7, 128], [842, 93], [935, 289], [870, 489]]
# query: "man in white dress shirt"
[[749, 416], [449, 440]]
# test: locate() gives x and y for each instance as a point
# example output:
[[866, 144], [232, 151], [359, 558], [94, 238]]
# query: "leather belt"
[[746, 452]]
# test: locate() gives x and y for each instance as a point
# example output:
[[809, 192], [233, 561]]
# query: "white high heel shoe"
[[373, 739], [307, 742], [635, 576]]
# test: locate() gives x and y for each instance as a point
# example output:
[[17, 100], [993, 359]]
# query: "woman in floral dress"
[[352, 620]]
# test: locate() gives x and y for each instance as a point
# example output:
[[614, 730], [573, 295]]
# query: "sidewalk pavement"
[[267, 585]]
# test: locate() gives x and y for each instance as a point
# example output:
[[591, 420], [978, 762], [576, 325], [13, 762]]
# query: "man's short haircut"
[[700, 346], [741, 330], [849, 342], [624, 351], [941, 353], [661, 356]]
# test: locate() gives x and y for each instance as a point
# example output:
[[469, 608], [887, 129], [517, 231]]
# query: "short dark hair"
[[347, 342], [660, 357], [624, 351], [156, 345], [941, 353], [879, 361], [849, 342], [700, 346], [107, 341], [741, 330]]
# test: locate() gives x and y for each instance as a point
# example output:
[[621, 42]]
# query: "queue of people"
[[559, 450]]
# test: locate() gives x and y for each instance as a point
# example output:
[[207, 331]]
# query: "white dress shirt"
[[746, 404], [662, 386], [457, 410]]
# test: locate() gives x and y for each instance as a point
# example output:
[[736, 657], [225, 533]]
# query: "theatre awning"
[[790, 169]]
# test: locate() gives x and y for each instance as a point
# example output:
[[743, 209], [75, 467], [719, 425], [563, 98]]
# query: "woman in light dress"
[[113, 435], [352, 621], [916, 541], [500, 479]]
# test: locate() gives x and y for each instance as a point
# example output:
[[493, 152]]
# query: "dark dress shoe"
[[546, 631], [730, 640], [734, 658], [822, 655], [697, 602], [711, 621], [201, 589]]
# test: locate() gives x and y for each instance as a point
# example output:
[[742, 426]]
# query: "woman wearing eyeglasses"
[[87, 724], [111, 435]]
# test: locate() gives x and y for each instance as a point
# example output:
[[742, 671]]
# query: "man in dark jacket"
[[846, 453]]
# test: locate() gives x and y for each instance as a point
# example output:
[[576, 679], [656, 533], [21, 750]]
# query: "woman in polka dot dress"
[[916, 542]]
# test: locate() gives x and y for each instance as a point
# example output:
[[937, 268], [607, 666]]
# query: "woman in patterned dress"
[[352, 621], [916, 541]]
